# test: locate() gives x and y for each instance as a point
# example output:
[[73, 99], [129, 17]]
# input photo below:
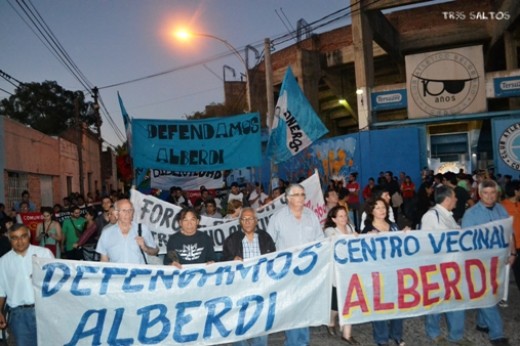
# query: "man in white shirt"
[[440, 218], [16, 285], [295, 225], [257, 197]]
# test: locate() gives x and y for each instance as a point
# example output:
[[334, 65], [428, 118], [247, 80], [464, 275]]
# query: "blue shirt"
[[287, 231], [123, 248], [480, 214]]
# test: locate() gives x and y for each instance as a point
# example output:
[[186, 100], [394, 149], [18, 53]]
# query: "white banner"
[[406, 274], [188, 181], [378, 277], [159, 215], [95, 303]]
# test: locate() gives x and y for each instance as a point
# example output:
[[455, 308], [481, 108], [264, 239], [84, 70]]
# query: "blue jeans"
[[258, 341], [490, 318], [297, 337], [383, 331], [23, 325], [454, 321]]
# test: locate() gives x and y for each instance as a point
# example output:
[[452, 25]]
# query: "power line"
[[7, 92], [52, 43]]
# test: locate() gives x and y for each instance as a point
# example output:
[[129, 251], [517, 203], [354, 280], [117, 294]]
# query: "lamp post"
[[184, 35]]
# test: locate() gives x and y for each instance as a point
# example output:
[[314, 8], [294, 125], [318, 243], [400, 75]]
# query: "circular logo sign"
[[444, 83], [509, 146]]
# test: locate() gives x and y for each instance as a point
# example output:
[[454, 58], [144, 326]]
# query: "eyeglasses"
[[16, 238], [297, 195], [125, 211], [248, 219]]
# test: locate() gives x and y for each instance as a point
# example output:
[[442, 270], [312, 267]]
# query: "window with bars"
[[16, 184]]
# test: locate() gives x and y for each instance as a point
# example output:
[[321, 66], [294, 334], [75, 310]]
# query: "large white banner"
[[406, 274], [95, 303], [159, 215]]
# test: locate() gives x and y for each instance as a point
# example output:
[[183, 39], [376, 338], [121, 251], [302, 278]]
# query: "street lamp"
[[185, 35]]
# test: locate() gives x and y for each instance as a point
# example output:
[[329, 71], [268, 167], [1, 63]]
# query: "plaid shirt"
[[251, 249]]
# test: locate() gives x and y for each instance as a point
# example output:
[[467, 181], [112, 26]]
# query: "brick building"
[[48, 167]]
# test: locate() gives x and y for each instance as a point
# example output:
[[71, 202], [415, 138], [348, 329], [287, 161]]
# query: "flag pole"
[[270, 102]]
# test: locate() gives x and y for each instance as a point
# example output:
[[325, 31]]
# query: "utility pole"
[[99, 122], [79, 145]]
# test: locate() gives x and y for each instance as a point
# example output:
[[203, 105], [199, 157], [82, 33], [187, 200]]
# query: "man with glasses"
[[249, 242], [121, 242], [16, 285], [295, 224]]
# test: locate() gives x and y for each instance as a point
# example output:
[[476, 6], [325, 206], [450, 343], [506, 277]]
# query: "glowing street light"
[[185, 35]]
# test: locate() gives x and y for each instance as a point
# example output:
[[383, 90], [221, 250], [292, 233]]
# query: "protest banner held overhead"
[[197, 145]]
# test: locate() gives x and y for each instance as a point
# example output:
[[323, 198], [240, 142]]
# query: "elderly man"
[[295, 225], [486, 210], [15, 284], [248, 243], [122, 242], [440, 218]]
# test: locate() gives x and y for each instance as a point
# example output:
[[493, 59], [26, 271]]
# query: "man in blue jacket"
[[488, 210]]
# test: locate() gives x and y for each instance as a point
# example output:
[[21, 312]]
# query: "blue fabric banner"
[[296, 125], [197, 145]]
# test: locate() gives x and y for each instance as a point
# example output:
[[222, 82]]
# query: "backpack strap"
[[139, 233]]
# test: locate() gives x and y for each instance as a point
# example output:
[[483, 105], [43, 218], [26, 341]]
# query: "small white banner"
[[188, 181], [407, 274]]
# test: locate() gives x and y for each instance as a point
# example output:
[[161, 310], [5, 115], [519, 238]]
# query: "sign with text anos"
[[197, 145], [117, 304]]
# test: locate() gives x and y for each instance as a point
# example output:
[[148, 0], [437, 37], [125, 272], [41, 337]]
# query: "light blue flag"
[[128, 124], [296, 125]]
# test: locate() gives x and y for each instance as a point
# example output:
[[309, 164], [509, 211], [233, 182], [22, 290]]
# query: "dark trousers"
[[516, 270]]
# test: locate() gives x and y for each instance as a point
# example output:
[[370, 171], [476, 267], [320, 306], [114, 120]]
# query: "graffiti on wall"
[[330, 157]]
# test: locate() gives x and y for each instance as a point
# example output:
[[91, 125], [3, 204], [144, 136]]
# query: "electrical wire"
[[52, 42]]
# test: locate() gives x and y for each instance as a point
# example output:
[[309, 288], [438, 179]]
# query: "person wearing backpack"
[[440, 218]]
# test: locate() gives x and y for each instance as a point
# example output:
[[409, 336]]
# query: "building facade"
[[49, 167]]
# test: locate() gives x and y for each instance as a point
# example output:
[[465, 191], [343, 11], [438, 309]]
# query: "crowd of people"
[[386, 204]]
